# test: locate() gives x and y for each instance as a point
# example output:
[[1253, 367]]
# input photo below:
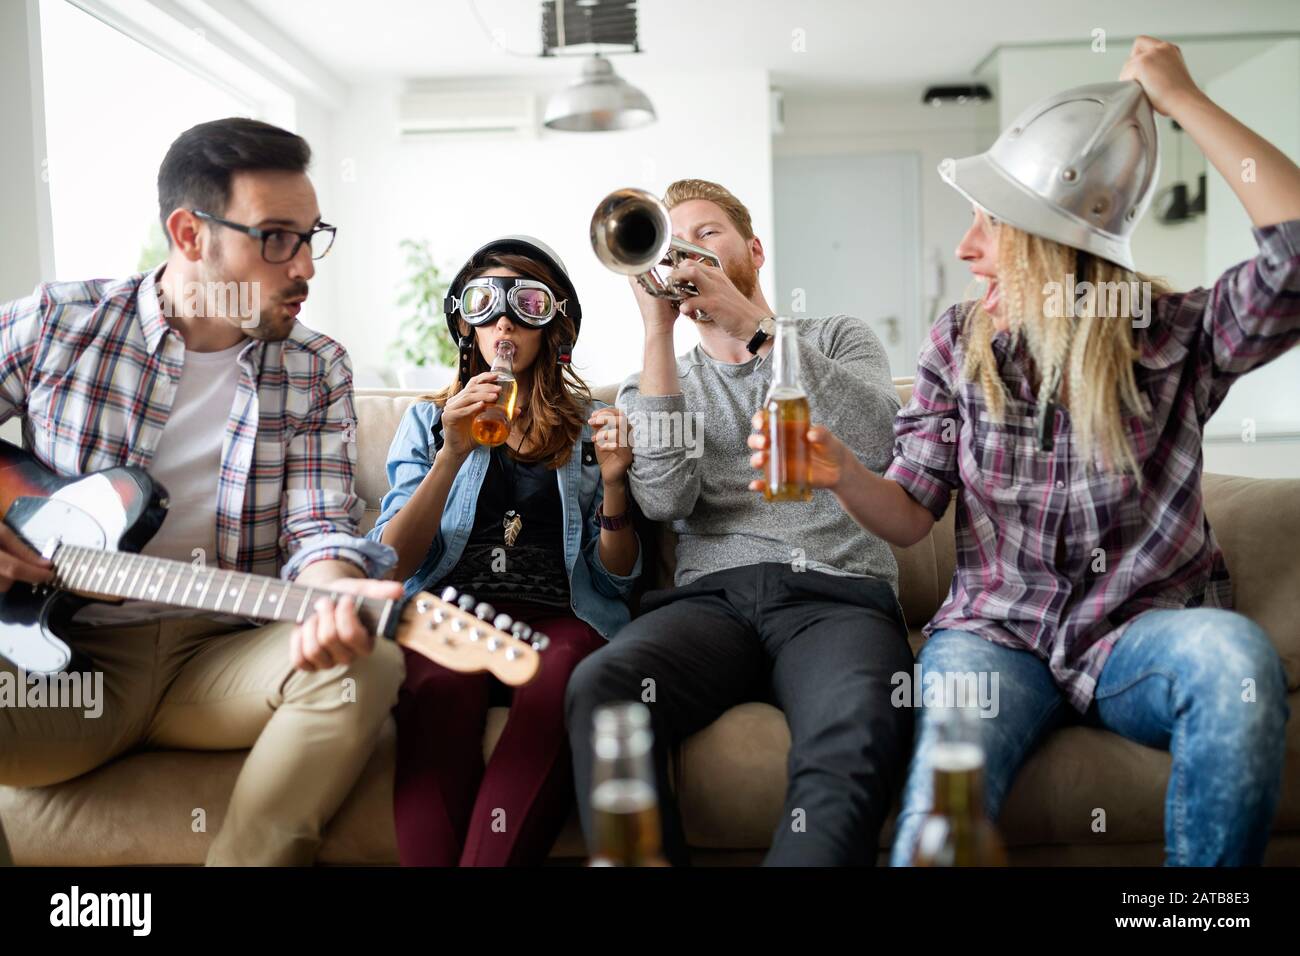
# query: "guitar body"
[[119, 509]]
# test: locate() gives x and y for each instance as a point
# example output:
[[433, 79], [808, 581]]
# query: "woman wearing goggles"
[[490, 521], [527, 301]]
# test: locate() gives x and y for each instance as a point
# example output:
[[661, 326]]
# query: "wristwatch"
[[766, 328], [612, 522]]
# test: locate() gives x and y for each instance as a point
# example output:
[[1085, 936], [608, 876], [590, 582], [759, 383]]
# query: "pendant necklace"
[[512, 522]]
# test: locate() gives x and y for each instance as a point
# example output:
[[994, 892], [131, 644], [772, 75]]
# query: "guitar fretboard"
[[141, 578]]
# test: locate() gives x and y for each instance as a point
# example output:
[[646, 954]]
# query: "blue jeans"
[[1204, 684]]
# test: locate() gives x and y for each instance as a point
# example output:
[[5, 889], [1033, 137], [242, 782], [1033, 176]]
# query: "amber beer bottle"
[[786, 417], [492, 425], [624, 803], [956, 832]]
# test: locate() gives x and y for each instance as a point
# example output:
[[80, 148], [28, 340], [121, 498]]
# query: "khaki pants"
[[196, 684]]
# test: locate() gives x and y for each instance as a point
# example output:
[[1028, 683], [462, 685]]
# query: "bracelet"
[[616, 523]]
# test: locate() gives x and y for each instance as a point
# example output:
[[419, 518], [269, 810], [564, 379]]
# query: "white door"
[[848, 240]]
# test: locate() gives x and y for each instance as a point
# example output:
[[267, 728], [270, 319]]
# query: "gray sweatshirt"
[[691, 465]]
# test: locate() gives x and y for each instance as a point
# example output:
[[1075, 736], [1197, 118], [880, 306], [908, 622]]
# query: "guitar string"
[[82, 565]]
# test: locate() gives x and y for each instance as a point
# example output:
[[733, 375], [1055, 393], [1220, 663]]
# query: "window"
[[112, 107]]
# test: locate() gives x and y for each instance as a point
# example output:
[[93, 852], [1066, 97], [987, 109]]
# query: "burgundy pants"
[[449, 807]]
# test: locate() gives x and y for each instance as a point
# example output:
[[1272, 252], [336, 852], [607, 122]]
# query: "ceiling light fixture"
[[601, 100]]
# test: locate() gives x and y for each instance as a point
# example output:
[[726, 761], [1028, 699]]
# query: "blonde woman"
[[1088, 579]]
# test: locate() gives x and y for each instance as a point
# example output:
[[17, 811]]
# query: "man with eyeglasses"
[[199, 372]]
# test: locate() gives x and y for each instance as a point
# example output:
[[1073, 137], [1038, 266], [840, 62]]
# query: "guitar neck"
[[137, 577]]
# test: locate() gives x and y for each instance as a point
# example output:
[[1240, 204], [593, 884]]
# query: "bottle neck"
[[785, 358]]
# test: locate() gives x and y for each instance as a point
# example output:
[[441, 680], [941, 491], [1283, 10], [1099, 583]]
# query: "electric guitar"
[[92, 528]]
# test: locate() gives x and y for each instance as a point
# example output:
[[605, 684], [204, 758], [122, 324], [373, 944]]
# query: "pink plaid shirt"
[[1125, 545], [92, 367]]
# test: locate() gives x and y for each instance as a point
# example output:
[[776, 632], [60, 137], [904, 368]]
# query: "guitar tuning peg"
[[449, 594], [502, 622], [521, 630], [465, 602], [484, 611], [540, 641]]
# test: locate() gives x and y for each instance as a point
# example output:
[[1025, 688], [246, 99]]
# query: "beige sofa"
[[138, 809]]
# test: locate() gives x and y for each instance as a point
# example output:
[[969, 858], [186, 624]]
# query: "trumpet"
[[632, 234]]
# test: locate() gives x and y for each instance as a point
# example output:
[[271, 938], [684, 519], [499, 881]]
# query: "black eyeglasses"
[[281, 245]]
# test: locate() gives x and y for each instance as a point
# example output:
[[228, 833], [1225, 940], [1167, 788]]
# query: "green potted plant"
[[423, 354]]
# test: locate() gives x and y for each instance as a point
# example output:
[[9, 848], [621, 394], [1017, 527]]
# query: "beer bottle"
[[492, 425], [786, 418], [624, 803], [956, 832]]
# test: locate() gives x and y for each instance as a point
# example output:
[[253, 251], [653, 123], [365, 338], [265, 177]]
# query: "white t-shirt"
[[187, 462]]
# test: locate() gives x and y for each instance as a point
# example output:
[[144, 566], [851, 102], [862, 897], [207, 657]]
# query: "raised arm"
[[1251, 314], [1265, 180], [664, 478]]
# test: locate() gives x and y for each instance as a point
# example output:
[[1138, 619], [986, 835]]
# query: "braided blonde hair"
[[1093, 350]]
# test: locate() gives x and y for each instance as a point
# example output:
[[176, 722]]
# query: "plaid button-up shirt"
[[93, 367], [1058, 558]]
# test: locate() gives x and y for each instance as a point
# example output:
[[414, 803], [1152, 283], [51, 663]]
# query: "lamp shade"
[[600, 101]]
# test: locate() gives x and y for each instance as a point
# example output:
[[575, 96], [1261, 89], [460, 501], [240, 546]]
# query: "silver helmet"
[[1079, 167]]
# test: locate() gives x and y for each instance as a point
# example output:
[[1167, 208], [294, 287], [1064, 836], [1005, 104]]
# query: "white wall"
[[459, 192], [867, 123]]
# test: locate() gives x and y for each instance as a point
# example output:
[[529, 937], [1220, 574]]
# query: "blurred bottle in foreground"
[[956, 832], [624, 801]]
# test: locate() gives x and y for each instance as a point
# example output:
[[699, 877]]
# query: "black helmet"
[[508, 245]]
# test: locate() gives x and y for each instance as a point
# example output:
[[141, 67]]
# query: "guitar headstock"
[[467, 635]]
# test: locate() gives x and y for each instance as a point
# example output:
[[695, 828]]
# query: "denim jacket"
[[597, 595]]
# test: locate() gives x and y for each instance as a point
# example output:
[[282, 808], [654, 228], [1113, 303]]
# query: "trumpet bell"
[[631, 232]]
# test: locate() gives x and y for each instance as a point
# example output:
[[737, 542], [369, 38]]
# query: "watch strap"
[[760, 336], [615, 523]]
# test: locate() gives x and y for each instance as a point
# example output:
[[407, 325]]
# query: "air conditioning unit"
[[447, 113]]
